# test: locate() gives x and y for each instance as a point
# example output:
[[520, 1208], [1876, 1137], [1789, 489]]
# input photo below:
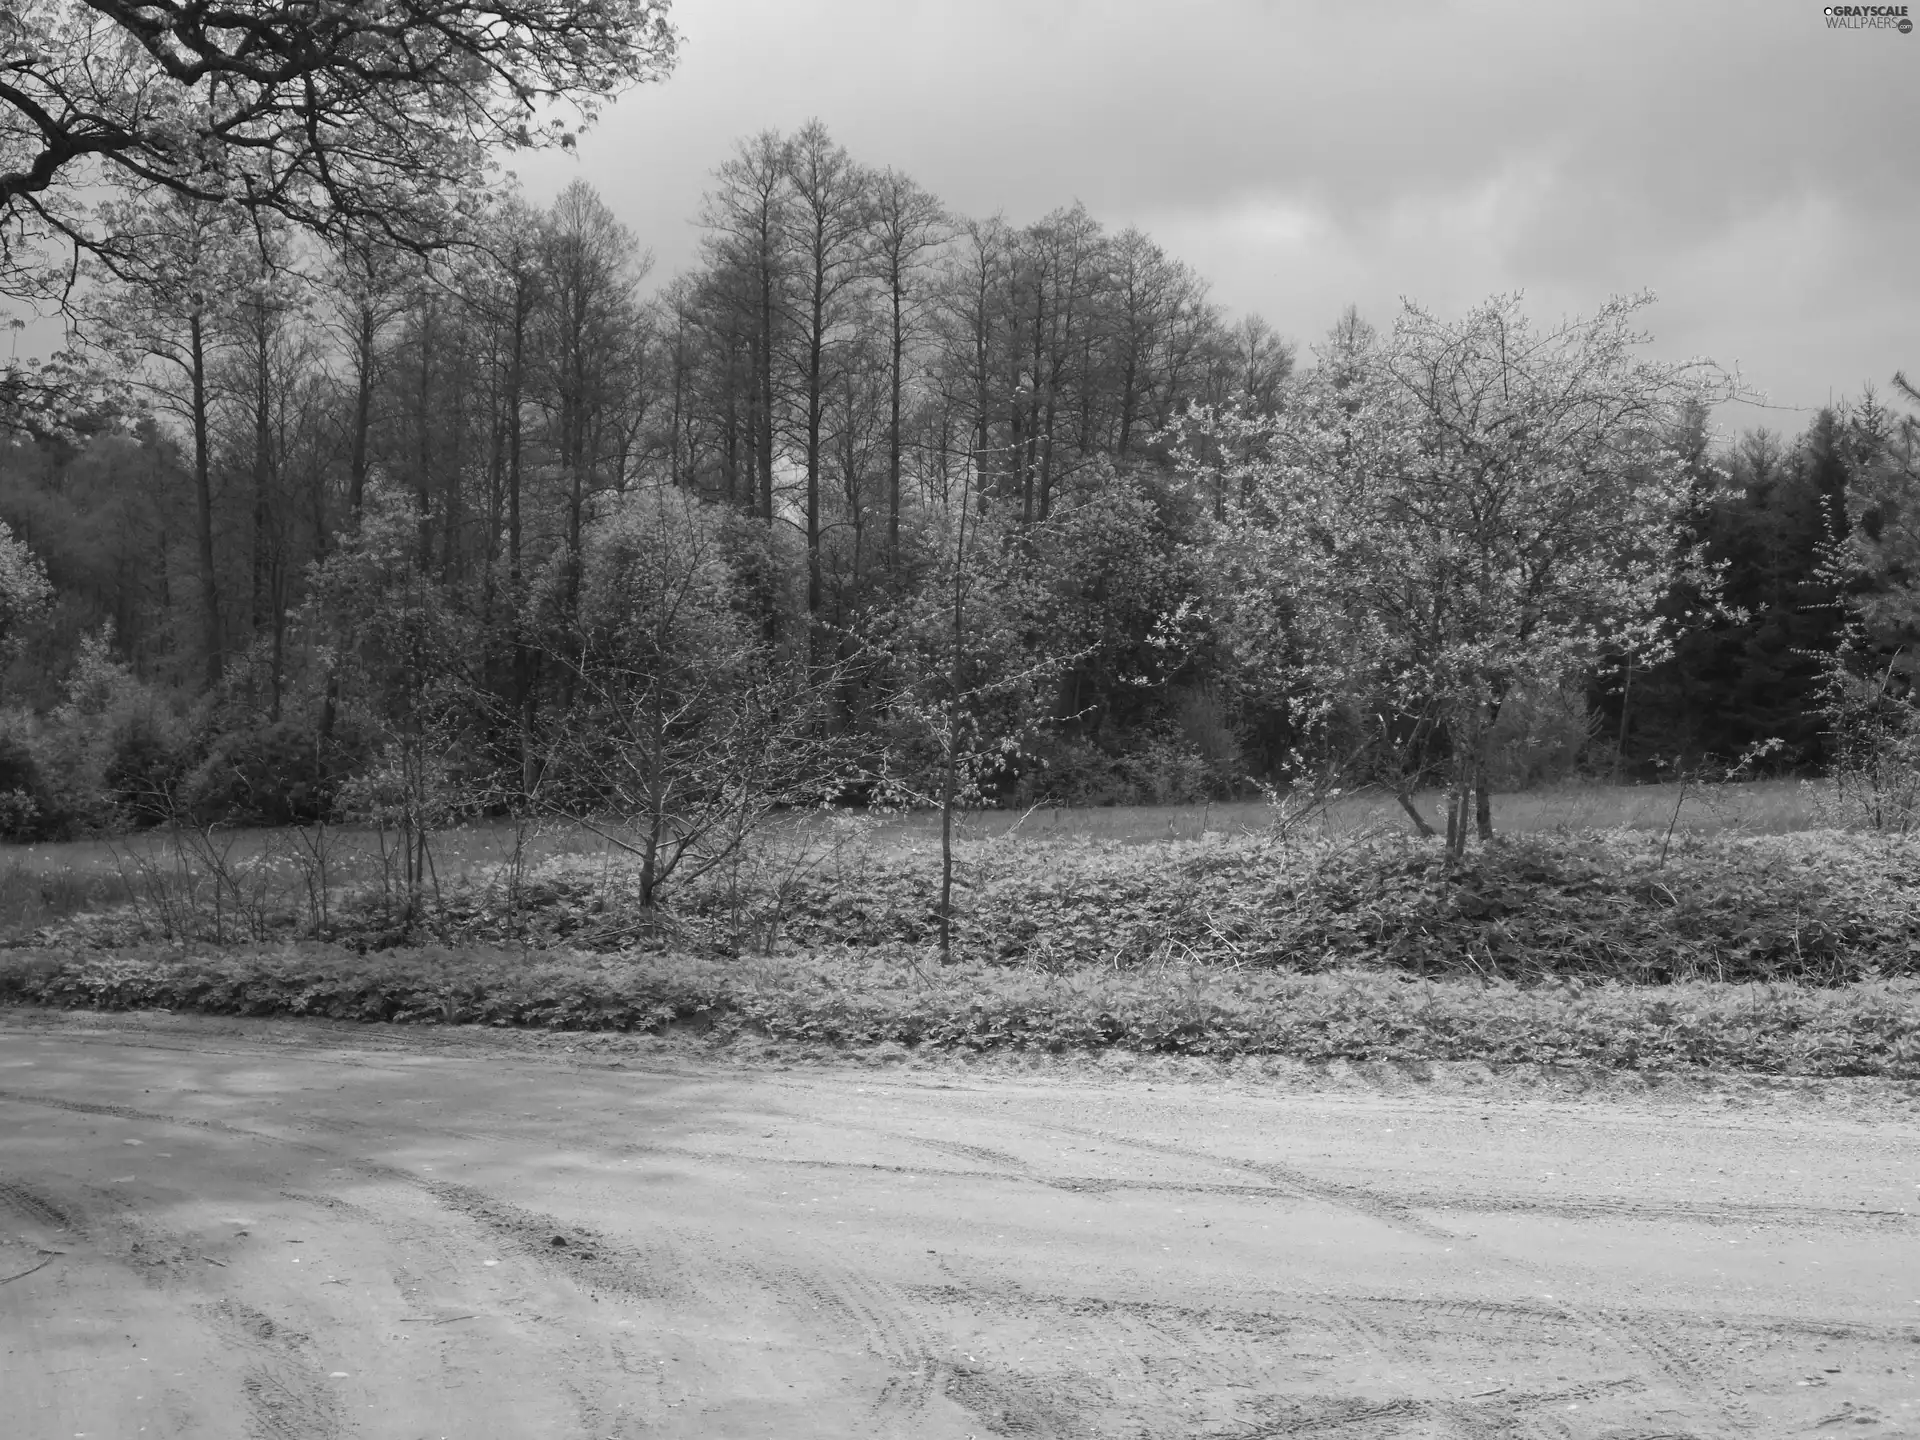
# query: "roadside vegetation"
[[1700, 939], [846, 999]]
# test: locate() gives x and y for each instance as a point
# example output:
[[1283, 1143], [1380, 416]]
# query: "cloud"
[[1747, 163]]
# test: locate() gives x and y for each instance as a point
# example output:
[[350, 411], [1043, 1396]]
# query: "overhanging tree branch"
[[336, 114]]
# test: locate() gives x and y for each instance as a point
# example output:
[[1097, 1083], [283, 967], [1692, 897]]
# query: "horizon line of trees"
[[330, 528]]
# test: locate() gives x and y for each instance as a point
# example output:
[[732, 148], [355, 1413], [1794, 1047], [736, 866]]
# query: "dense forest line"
[[876, 502]]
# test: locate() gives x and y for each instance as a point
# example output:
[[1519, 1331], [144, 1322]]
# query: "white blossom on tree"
[[1439, 516], [24, 590]]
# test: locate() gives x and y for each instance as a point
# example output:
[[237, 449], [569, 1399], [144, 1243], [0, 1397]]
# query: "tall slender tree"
[[166, 305], [906, 226], [746, 219], [827, 223]]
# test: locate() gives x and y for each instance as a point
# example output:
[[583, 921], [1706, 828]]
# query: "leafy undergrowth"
[[1816, 908], [874, 998]]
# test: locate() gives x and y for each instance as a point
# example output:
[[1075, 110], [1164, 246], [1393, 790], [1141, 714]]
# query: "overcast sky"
[[1756, 169]]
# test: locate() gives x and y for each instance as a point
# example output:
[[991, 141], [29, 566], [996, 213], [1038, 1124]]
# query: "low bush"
[[1163, 765], [23, 789], [272, 774], [883, 997]]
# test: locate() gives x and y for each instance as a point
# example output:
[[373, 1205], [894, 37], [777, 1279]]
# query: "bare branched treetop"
[[336, 114]]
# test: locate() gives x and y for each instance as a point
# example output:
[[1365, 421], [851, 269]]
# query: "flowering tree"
[[1437, 517], [56, 398], [24, 591]]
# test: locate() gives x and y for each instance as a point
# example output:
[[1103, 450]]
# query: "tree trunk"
[[856, 501], [516, 587], [949, 776], [763, 440], [451, 560], [677, 470], [203, 495], [1029, 497], [816, 343], [317, 504], [1482, 776], [893, 431], [356, 479], [1045, 508], [946, 851], [1620, 744], [262, 478], [279, 665], [656, 828], [730, 448], [362, 412], [1420, 824], [1460, 794], [1017, 448], [1128, 402], [423, 482]]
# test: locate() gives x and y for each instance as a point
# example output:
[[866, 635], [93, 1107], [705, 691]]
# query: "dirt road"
[[213, 1229]]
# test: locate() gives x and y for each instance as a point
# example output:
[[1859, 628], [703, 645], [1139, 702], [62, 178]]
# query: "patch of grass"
[[885, 997], [1762, 807], [37, 889], [275, 868]]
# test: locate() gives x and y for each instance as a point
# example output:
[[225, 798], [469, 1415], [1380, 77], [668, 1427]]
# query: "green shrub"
[[23, 792], [272, 774], [105, 759], [145, 759], [1163, 766]]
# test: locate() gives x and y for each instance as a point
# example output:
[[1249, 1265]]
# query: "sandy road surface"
[[295, 1231]]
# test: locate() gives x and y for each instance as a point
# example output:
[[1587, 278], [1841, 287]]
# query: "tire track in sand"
[[595, 1258], [280, 1380], [32, 1204], [1672, 1355]]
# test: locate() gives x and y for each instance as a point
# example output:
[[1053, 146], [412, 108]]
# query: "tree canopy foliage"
[[336, 115]]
